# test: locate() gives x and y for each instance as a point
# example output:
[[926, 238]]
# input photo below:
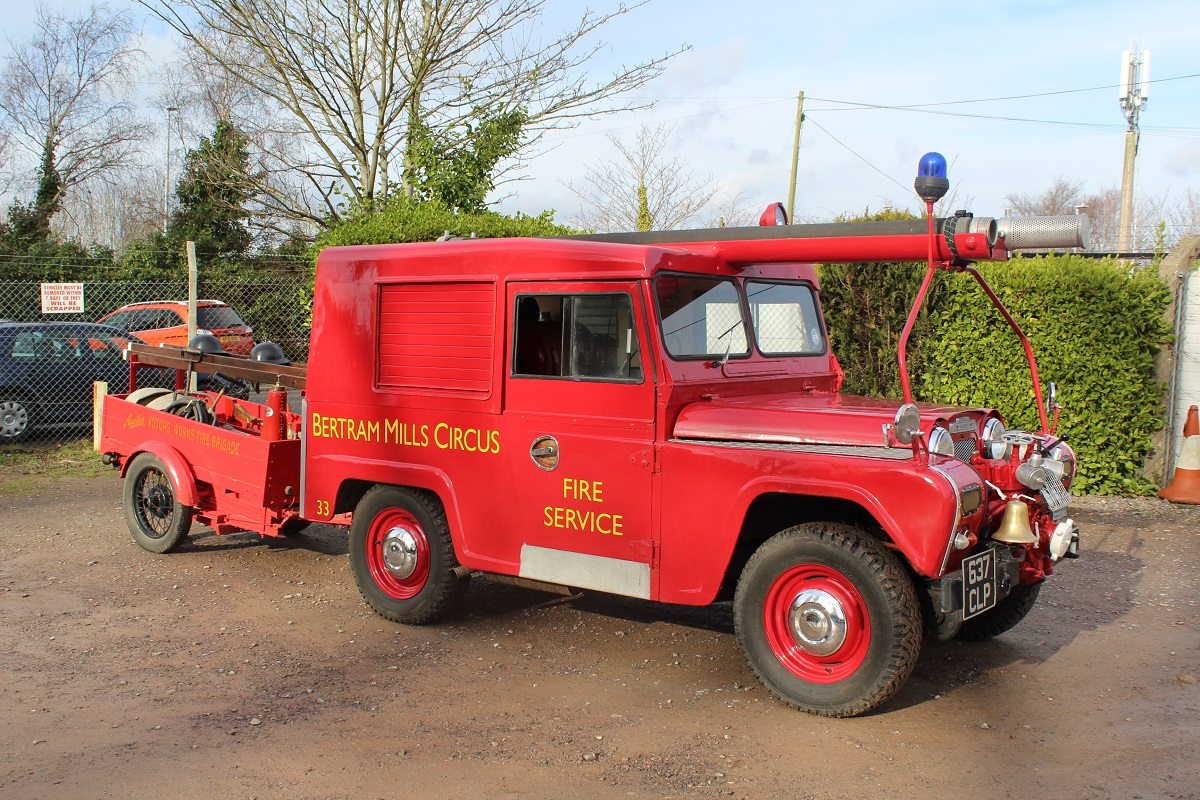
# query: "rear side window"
[[121, 320], [214, 317]]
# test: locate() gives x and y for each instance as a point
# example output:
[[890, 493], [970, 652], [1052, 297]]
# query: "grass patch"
[[25, 468]]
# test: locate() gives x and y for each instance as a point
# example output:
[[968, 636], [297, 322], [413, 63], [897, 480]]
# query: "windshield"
[[701, 317], [785, 319]]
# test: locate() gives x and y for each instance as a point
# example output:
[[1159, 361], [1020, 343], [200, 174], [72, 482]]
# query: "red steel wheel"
[[398, 554], [828, 618], [817, 623], [403, 557]]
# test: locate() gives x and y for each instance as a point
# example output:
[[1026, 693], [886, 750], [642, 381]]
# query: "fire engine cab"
[[650, 415]]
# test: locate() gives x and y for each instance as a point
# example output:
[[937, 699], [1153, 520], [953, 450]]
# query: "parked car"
[[47, 370], [165, 322]]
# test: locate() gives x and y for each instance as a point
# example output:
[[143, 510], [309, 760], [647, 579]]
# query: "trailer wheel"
[[157, 521], [1007, 613], [403, 557], [828, 619]]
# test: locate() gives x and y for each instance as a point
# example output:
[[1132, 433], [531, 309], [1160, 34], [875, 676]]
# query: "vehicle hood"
[[799, 419]]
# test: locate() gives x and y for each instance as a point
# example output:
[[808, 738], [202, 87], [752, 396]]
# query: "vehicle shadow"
[[328, 540], [1072, 602]]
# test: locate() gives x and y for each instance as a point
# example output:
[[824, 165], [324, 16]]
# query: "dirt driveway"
[[236, 669]]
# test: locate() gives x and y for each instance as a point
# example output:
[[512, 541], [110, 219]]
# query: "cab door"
[[579, 436]]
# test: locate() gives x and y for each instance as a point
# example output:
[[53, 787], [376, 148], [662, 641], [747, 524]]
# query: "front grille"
[[1056, 496], [965, 448]]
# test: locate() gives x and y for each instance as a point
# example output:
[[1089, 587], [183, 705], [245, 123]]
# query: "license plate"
[[979, 583]]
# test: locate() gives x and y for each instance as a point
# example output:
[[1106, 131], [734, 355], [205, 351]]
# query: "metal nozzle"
[[1034, 233]]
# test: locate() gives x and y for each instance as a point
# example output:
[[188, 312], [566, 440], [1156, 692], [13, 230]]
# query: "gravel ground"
[[240, 669]]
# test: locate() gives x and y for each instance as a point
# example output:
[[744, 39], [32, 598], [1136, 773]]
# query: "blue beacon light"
[[931, 183]]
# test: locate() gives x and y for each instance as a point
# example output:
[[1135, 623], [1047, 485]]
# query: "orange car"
[[165, 322]]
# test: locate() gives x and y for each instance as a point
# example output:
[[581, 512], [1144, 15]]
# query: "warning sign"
[[62, 298]]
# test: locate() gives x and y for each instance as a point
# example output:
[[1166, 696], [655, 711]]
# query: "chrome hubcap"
[[400, 552], [818, 622], [13, 418]]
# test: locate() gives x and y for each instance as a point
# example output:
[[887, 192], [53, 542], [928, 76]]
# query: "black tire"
[[840, 568], [157, 521], [1007, 613], [395, 531], [16, 418], [191, 408]]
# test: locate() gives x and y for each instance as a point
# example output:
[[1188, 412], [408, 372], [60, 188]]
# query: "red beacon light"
[[775, 214]]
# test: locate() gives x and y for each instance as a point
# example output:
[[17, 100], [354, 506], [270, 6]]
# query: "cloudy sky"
[[732, 97]]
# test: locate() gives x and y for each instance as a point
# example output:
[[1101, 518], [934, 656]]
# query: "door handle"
[[544, 452]]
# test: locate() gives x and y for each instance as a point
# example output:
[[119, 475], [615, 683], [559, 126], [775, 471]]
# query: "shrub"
[[1095, 329]]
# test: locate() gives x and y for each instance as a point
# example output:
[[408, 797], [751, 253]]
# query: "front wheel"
[[1007, 613], [403, 557], [157, 521], [828, 619]]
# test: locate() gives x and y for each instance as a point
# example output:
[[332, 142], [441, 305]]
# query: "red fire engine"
[[650, 415]]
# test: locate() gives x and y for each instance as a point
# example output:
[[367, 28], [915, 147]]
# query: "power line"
[[854, 153]]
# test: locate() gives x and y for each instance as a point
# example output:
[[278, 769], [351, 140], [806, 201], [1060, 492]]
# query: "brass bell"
[[1014, 528]]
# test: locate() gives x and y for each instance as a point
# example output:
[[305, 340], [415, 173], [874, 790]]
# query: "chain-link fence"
[[48, 361]]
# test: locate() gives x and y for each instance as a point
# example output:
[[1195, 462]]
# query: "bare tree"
[[732, 211], [60, 94], [1184, 217], [348, 79], [641, 189], [1060, 198], [115, 212]]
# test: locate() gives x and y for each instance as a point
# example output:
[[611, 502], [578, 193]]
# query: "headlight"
[[940, 442], [1066, 457], [993, 444]]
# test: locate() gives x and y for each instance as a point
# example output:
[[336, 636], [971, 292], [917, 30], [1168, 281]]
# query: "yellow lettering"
[[437, 431]]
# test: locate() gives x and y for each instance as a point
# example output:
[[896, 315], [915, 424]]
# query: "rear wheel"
[[828, 619], [16, 419], [403, 557], [157, 521], [1007, 613]]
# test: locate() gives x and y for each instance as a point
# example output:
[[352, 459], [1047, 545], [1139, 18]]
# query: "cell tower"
[[1132, 95]]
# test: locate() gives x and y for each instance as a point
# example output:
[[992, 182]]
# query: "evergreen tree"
[[457, 168], [29, 224], [212, 194]]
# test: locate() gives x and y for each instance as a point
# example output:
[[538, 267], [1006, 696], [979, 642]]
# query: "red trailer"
[[650, 415]]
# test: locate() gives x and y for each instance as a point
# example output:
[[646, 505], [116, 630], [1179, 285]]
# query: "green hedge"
[[866, 306], [407, 221], [1095, 328], [1094, 325]]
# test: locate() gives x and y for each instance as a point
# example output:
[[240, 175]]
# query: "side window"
[[584, 336], [104, 347], [23, 345], [120, 320]]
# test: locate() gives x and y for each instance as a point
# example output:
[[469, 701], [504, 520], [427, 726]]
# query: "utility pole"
[[791, 206], [1134, 89], [167, 179]]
